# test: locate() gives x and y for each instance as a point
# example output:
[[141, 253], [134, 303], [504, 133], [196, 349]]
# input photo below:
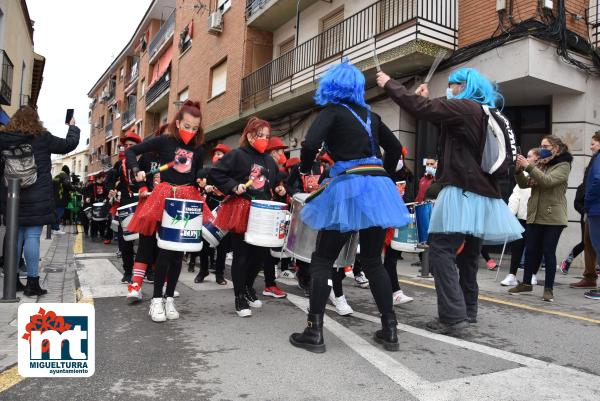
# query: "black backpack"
[[499, 152], [19, 162]]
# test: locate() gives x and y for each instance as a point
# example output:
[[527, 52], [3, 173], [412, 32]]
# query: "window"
[[185, 37], [332, 34], [224, 5], [184, 95], [101, 122], [122, 74], [143, 86], [218, 79]]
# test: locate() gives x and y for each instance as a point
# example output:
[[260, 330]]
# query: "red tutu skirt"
[[233, 215], [149, 211]]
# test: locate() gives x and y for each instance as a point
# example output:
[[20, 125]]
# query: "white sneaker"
[[170, 310], [533, 280], [134, 293], [157, 310], [288, 274], [341, 306], [400, 298], [361, 280], [509, 281], [175, 293], [58, 232]]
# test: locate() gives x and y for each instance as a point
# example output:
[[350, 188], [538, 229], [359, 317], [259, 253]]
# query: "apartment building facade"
[[76, 161], [264, 57], [22, 68]]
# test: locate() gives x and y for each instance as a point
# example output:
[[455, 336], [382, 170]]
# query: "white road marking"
[[511, 384], [99, 255], [99, 278]]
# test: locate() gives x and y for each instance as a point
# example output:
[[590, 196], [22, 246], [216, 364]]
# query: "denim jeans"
[[594, 232], [60, 211], [29, 241]]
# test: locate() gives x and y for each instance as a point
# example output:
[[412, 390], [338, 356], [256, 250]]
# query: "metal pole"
[[297, 21], [425, 264], [48, 231], [11, 258]]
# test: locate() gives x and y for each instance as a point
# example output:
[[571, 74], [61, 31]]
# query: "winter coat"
[[461, 142], [592, 187], [36, 203], [62, 189], [548, 202], [517, 203]]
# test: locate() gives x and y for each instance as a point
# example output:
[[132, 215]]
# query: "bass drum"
[[301, 240]]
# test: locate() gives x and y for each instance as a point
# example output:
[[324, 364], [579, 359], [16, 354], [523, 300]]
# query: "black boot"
[[200, 276], [388, 335], [311, 339], [191, 266], [20, 286], [33, 289]]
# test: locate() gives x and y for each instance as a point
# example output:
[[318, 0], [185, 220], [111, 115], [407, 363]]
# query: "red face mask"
[[282, 159], [121, 155], [215, 159], [327, 159], [260, 144], [186, 136]]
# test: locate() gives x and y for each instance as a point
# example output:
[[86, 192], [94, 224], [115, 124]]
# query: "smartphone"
[[69, 116]]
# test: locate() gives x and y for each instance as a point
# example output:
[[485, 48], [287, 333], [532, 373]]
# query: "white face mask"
[[449, 94], [400, 165]]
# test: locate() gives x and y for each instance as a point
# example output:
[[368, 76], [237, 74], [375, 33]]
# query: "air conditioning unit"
[[104, 95], [215, 22]]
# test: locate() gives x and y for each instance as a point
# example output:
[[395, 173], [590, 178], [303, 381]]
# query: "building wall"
[[19, 47], [478, 19]]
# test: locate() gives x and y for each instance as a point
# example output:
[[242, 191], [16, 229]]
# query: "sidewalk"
[[566, 299], [57, 275]]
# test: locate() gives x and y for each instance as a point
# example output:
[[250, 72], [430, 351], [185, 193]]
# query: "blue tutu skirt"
[[458, 211], [354, 202]]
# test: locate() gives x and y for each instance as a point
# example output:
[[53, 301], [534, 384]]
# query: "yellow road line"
[[78, 244], [9, 378], [513, 304]]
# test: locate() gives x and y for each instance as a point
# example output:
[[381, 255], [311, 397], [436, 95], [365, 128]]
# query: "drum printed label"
[[182, 221]]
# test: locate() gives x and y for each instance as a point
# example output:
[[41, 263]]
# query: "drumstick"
[[436, 62], [161, 168], [375, 57]]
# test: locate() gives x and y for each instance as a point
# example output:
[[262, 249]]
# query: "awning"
[[161, 65]]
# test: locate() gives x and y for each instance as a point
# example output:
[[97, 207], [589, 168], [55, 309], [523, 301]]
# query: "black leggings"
[[516, 249], [127, 253], [541, 241], [246, 263], [168, 265], [577, 249], [389, 262], [329, 245], [336, 279]]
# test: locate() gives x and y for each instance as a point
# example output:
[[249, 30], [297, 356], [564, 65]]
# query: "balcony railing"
[[129, 114], [253, 6], [355, 38], [158, 88], [108, 129], [6, 79], [594, 22], [164, 33]]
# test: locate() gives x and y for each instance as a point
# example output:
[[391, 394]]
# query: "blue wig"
[[342, 83], [477, 87]]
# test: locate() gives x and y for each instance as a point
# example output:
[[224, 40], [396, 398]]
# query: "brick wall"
[[478, 19]]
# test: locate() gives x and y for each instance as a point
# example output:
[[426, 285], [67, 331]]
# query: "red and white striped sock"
[[139, 271]]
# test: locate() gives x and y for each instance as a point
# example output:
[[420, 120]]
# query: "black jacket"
[[347, 139], [36, 203], [123, 183], [62, 188], [462, 136], [242, 164]]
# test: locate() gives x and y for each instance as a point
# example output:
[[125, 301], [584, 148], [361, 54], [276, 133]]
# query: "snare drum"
[[124, 216], [406, 238], [301, 240], [211, 233], [422, 216], [99, 211]]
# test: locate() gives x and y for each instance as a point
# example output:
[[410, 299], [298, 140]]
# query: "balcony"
[[269, 15], [6, 79], [156, 95], [405, 35], [594, 22], [164, 35], [108, 130], [129, 116]]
